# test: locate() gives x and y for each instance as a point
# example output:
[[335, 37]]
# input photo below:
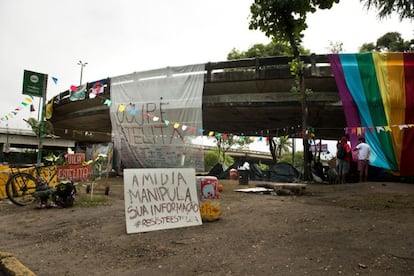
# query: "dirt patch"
[[350, 229]]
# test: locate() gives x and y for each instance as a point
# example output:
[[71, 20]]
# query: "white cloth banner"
[[158, 199], [154, 115]]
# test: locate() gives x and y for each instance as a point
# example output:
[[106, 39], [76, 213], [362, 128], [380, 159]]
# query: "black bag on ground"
[[65, 194]]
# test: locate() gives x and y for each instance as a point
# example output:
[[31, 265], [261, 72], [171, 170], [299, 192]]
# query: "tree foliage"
[[287, 157], [335, 47], [279, 146], [404, 8], [285, 20], [225, 142], [274, 48], [213, 157], [367, 47], [393, 42], [38, 128], [389, 42]]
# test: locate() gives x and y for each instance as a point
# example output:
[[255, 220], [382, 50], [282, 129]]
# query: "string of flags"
[[362, 130], [288, 132], [25, 103]]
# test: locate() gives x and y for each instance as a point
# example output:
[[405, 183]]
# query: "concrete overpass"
[[22, 138], [250, 97], [241, 154]]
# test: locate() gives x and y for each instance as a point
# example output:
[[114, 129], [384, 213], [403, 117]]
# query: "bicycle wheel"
[[20, 188]]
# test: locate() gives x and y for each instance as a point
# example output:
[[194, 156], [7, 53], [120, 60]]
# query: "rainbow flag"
[[377, 93]]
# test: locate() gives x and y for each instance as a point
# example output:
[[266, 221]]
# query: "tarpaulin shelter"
[[283, 172]]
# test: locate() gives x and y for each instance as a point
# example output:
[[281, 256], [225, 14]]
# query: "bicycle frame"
[[49, 173], [21, 184]]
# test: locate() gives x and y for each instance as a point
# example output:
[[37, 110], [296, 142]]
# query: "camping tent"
[[283, 172]]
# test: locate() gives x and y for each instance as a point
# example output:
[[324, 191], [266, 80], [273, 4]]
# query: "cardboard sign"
[[158, 199], [319, 147], [75, 158], [75, 172]]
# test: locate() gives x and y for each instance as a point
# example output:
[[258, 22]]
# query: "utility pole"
[[82, 64]]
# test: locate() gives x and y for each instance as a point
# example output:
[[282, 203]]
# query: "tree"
[[404, 8], [335, 47], [285, 20], [367, 47], [213, 157], [392, 42], [279, 146], [40, 129], [225, 141], [274, 48], [389, 42], [287, 157], [283, 145]]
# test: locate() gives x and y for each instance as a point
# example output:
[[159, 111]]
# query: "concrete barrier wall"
[[5, 172]]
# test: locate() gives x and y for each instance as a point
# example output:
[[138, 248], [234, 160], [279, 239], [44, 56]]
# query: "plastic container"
[[207, 187]]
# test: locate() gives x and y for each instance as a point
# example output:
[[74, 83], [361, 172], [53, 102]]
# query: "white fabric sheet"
[[154, 115]]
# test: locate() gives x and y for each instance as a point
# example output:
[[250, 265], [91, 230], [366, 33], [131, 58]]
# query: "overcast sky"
[[117, 37]]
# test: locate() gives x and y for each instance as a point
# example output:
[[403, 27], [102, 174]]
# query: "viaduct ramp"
[[251, 97]]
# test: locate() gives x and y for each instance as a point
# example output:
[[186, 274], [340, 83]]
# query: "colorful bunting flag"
[[15, 111], [133, 112], [108, 102]]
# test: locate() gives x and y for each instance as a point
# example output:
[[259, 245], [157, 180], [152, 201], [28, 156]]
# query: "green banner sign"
[[34, 84]]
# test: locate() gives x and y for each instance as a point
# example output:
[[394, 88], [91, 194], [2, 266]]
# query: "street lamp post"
[[82, 64]]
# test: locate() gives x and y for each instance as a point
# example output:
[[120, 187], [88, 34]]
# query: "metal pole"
[[81, 72], [39, 109], [41, 126], [80, 82]]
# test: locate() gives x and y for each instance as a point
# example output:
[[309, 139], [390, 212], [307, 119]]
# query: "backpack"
[[341, 153], [65, 194]]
